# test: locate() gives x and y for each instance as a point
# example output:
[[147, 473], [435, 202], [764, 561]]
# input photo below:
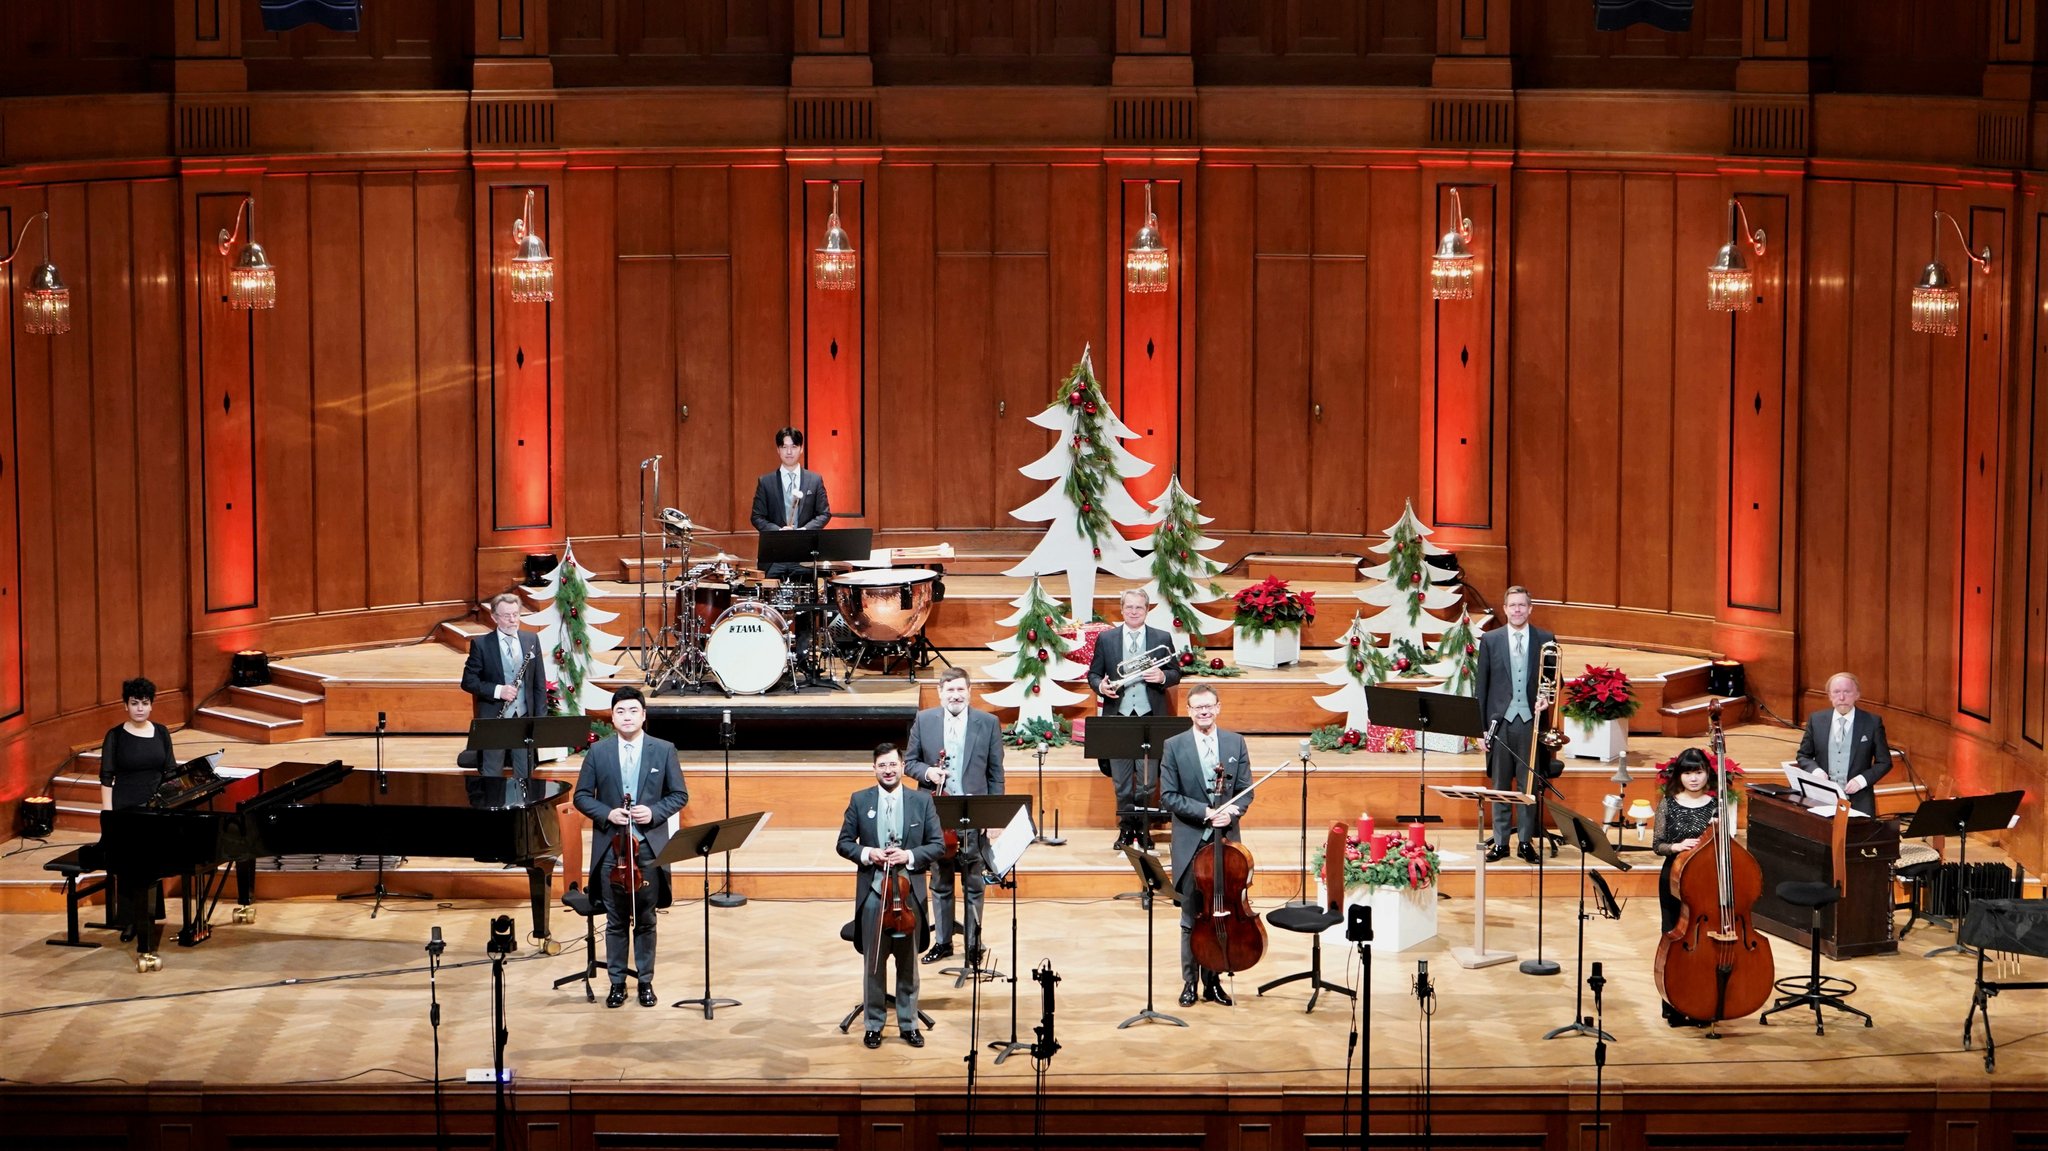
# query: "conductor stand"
[[1478, 955], [704, 841], [1039, 835], [725, 896], [1591, 841], [1960, 816], [965, 814], [1424, 712], [378, 894], [1134, 737], [1156, 884], [813, 548]]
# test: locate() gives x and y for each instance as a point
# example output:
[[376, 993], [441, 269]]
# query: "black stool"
[[578, 901], [71, 866], [1815, 990]]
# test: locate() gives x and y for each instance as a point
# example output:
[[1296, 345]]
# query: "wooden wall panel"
[[12, 670], [1823, 425], [1651, 265], [114, 485], [1983, 470], [1283, 288], [1756, 437], [1340, 329], [230, 562], [519, 455], [285, 520], [963, 330], [340, 461], [1223, 399], [391, 391], [832, 353], [1023, 362], [446, 403], [1537, 392], [1462, 388], [590, 352], [160, 469], [1145, 381], [2032, 466], [906, 296], [1593, 437], [1935, 366], [760, 330], [646, 335], [1700, 356], [1390, 392]]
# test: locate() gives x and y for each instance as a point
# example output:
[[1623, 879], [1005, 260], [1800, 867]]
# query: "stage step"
[[1325, 568], [1688, 717], [284, 702], [247, 723]]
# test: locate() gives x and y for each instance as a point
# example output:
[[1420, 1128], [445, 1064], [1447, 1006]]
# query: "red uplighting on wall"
[[1149, 358], [830, 410]]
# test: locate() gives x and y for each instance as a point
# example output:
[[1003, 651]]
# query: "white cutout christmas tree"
[[570, 639], [1037, 660], [1407, 589], [1181, 575], [1088, 499], [1360, 664]]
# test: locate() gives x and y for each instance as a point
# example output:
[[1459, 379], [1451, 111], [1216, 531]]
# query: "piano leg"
[[196, 929], [537, 878], [245, 891]]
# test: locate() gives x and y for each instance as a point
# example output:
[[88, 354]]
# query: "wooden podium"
[[1790, 842]]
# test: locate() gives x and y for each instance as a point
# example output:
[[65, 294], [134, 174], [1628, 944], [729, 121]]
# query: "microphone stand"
[[1302, 900], [1052, 840], [1597, 981], [1359, 930], [725, 896], [1425, 994], [1539, 785], [435, 946], [378, 894]]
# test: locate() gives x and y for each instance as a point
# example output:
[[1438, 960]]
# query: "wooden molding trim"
[[1471, 122], [1769, 128], [512, 123], [832, 119], [212, 128], [1154, 119]]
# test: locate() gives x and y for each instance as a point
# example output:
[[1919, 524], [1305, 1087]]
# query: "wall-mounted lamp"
[[1451, 268], [1731, 286], [1937, 303], [46, 304], [532, 270], [1147, 261], [836, 266], [252, 282]]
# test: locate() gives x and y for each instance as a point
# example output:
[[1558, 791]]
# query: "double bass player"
[[1189, 792]]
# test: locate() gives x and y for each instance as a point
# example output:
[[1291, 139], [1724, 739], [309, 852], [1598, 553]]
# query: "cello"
[[1233, 938], [1715, 964]]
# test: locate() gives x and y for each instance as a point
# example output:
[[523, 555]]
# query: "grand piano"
[[201, 821]]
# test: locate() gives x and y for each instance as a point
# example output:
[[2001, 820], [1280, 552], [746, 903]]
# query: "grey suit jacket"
[[1493, 681], [485, 669], [982, 774], [1869, 755], [1186, 791], [1109, 652], [921, 837], [598, 791]]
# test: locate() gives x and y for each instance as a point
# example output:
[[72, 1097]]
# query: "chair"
[[1814, 989], [578, 901], [1313, 921]]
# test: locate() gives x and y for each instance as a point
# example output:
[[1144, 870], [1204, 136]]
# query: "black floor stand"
[[1156, 883], [725, 896], [578, 901], [707, 1001], [1580, 1024], [378, 894], [1004, 1048], [1302, 899]]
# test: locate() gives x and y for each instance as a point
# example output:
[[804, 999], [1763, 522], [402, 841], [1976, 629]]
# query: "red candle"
[[1379, 847], [1415, 834], [1364, 827]]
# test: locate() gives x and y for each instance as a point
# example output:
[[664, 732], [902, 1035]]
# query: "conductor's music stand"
[[1585, 834], [1960, 816], [1134, 737], [811, 547], [1477, 955], [703, 841], [964, 813], [529, 733], [1152, 874], [1424, 712]]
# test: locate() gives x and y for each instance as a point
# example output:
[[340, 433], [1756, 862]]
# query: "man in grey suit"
[[630, 783], [957, 750], [1188, 788], [1847, 743], [503, 677], [1112, 647], [1505, 683], [889, 825]]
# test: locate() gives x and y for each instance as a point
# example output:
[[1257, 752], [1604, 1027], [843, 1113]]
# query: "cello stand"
[[1156, 883]]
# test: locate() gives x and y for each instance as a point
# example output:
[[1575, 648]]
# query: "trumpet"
[[1134, 668]]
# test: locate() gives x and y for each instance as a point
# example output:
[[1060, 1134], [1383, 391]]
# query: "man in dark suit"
[[503, 676], [957, 750], [889, 825], [630, 783], [790, 498], [1505, 683], [1188, 790], [1112, 647], [1847, 744]]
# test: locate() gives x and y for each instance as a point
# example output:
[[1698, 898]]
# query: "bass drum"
[[748, 648]]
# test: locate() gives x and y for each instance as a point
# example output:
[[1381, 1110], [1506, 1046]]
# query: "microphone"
[[1596, 981], [1423, 990], [380, 722], [1304, 751], [434, 945], [725, 728], [1488, 737]]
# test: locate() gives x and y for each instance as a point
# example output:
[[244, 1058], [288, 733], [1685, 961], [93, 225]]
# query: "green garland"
[[572, 656], [1176, 565], [1404, 566], [1459, 644], [1055, 732], [1094, 459], [1039, 642]]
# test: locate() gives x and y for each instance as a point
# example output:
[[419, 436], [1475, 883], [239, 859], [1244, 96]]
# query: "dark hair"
[[1203, 689], [882, 749], [791, 434], [138, 688], [1691, 759], [628, 692]]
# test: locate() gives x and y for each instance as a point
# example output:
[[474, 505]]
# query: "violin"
[[1231, 937], [1715, 964], [899, 901], [627, 875]]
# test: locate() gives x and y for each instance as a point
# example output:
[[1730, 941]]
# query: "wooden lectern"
[[1791, 842]]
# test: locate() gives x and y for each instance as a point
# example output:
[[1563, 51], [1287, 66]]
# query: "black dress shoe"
[[1187, 994], [1145, 841], [617, 998], [939, 951], [1214, 993], [1123, 840], [1526, 853], [1496, 853], [647, 995], [914, 1037], [871, 1040]]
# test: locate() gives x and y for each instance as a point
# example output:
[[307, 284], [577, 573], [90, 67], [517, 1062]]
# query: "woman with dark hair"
[[1684, 816], [136, 753]]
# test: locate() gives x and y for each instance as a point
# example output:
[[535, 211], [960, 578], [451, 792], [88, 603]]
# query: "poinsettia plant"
[[1399, 863], [1268, 606], [1599, 695]]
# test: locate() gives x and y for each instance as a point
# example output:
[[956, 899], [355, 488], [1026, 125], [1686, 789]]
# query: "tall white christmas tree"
[[1360, 664], [1407, 589], [1181, 575], [1036, 660], [1088, 499], [570, 638]]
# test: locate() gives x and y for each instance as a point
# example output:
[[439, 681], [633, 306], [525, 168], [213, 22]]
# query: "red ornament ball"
[[1043, 655], [1401, 664], [1358, 667], [1416, 578], [1183, 555], [1098, 553], [1074, 397], [1090, 409], [1354, 641], [1032, 635], [1216, 664], [1048, 621], [1469, 649], [1034, 689], [1087, 507], [1187, 658], [1176, 623]]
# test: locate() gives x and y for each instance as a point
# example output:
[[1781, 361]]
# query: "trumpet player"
[[1118, 652], [1506, 686]]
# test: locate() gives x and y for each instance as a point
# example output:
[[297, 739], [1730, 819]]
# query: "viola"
[[1715, 964], [626, 874], [1231, 936]]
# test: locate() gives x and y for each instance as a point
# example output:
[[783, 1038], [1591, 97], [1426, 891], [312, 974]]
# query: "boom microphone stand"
[[378, 894], [435, 946], [725, 896]]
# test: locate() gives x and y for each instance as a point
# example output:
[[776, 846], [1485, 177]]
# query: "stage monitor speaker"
[[1726, 678]]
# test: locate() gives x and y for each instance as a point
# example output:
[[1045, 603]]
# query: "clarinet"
[[505, 709]]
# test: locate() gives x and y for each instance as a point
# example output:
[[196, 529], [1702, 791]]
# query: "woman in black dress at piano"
[[136, 755], [1684, 816]]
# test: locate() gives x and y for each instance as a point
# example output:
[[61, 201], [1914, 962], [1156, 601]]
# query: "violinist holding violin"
[[1189, 789], [957, 750], [893, 833], [630, 785]]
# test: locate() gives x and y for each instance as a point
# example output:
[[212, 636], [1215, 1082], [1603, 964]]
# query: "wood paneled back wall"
[[1808, 485]]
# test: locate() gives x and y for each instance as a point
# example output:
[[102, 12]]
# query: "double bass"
[[1715, 964], [1231, 936]]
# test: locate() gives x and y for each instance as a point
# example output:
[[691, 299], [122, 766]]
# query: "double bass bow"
[[1715, 964]]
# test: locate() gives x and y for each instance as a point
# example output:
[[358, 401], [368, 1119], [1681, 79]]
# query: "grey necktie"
[[956, 754], [792, 493]]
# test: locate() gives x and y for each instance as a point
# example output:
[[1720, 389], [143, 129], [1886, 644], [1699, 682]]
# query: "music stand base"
[[709, 1004], [379, 893], [1150, 1016], [1951, 949], [1470, 958], [1004, 1048], [1578, 1029], [1540, 967], [728, 899], [1050, 840], [962, 974]]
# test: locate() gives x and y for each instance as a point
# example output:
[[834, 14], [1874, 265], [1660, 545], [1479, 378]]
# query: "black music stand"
[[1424, 712], [529, 733], [1960, 816], [811, 547], [1152, 874], [1586, 835], [1135, 737], [702, 841], [961, 814]]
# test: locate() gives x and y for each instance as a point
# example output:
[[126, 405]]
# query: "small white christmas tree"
[[1457, 655], [1036, 660], [570, 639], [1181, 575], [1360, 664], [1407, 589], [1088, 499]]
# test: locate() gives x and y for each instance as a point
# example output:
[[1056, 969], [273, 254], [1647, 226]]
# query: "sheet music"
[[1010, 846]]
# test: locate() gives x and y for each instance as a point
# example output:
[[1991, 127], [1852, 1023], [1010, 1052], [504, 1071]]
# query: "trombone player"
[[1506, 686], [1119, 652]]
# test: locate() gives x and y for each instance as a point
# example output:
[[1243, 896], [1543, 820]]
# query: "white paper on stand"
[[1016, 837]]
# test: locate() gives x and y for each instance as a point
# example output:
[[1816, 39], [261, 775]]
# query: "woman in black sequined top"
[[1684, 817]]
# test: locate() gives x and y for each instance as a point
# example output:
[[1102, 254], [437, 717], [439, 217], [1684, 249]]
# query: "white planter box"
[[1271, 649], [1402, 918], [1606, 741]]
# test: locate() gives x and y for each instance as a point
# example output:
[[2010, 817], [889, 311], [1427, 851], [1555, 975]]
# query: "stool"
[[71, 865], [578, 901], [1815, 990], [1915, 869], [1312, 920]]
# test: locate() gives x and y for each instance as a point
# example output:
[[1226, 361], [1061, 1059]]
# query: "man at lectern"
[[503, 677], [1847, 743], [790, 498], [957, 750]]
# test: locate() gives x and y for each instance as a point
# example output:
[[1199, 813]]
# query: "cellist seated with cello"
[[1189, 788], [893, 833], [629, 787]]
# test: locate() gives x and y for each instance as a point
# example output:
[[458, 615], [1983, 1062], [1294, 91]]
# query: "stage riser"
[[409, 708], [507, 887]]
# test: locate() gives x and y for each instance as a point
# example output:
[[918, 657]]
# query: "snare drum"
[[748, 647], [886, 603]]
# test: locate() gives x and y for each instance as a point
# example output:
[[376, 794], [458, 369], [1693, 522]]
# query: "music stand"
[[1152, 874], [962, 814], [1477, 955], [529, 733], [1424, 712], [810, 547], [1591, 841], [703, 841], [1960, 816], [1135, 737]]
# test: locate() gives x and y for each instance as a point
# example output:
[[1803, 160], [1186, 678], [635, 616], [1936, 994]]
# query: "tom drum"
[[748, 647]]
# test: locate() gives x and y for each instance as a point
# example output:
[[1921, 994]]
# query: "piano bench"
[[71, 866]]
